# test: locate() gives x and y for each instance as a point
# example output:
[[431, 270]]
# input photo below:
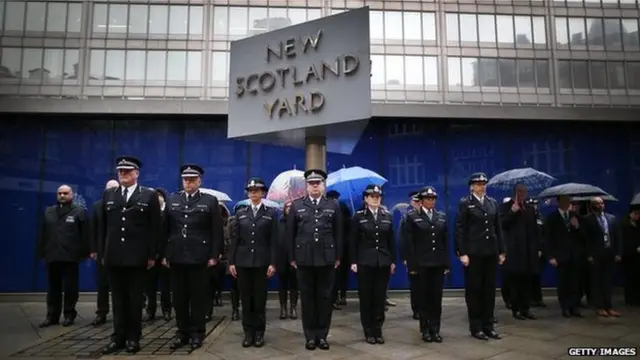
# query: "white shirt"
[[429, 212], [374, 212], [317, 200], [255, 207], [481, 199], [563, 213], [130, 191], [192, 195]]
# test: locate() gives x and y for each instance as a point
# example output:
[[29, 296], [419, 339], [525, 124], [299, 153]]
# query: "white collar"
[[130, 189], [186, 194], [256, 206], [374, 211], [481, 199], [317, 200], [426, 211]]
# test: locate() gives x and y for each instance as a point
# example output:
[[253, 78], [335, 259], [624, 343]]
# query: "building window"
[[547, 156], [405, 128], [489, 74], [406, 170]]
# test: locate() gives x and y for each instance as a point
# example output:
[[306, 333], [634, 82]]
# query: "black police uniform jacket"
[[478, 229], [195, 229], [64, 234], [129, 230], [426, 240], [314, 233], [254, 239], [521, 237], [372, 241], [402, 239]]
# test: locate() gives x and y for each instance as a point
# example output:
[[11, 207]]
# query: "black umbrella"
[[572, 189], [636, 200], [588, 198]]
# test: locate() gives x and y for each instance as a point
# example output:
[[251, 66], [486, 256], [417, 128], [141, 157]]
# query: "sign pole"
[[316, 152]]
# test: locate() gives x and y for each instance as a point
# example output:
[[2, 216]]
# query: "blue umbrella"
[[530, 177], [351, 182], [266, 202]]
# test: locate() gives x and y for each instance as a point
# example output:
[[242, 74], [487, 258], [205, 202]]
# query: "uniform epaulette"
[[410, 210], [177, 193], [360, 212]]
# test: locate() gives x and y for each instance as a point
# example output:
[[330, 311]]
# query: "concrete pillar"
[[315, 150]]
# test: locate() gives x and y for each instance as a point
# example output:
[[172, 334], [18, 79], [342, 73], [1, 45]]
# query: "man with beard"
[[414, 204], [63, 242]]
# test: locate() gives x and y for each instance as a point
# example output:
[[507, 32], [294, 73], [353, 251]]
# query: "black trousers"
[[102, 288], [631, 269], [536, 280], [62, 275], [158, 275], [568, 287], [505, 282], [127, 288], [316, 286], [430, 288], [372, 294], [189, 287], [480, 291], [602, 280], [413, 291], [213, 284], [287, 278], [520, 291], [586, 281], [341, 282], [252, 283]]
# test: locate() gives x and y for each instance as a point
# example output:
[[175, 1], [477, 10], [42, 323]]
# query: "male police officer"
[[480, 247], [314, 233], [252, 258], [414, 204], [130, 226], [195, 239], [427, 237]]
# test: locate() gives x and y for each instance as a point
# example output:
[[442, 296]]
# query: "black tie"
[[189, 197], [315, 202], [125, 193]]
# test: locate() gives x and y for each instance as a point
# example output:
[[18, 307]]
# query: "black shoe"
[[343, 301], [167, 315], [519, 316], [491, 333], [379, 340], [283, 312], [566, 313], [415, 316], [208, 317], [508, 305], [293, 313], [323, 344], [148, 317], [177, 343], [370, 340], [48, 322], [435, 335], [426, 337], [529, 315], [196, 344], [336, 306], [480, 335], [217, 300], [68, 322], [111, 348], [248, 340], [235, 315], [310, 345], [132, 347], [576, 313], [99, 320], [495, 320], [389, 303], [259, 341]]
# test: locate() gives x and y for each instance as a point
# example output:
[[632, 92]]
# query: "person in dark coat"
[[314, 237], [235, 292], [195, 238], [414, 204], [159, 273], [342, 275], [523, 246], [630, 229], [604, 250], [63, 242], [564, 238], [218, 272], [373, 250], [130, 229], [536, 280], [102, 280], [252, 259], [427, 235], [287, 281], [480, 247]]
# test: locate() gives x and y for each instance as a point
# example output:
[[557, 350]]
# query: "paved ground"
[[547, 338]]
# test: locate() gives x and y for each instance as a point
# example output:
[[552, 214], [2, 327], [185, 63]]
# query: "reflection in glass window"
[[580, 74], [564, 74], [539, 30], [577, 33], [431, 71], [219, 68], [194, 66], [11, 60], [470, 71], [504, 24], [612, 35], [56, 17], [376, 25], [114, 65], [542, 73], [177, 66], [118, 16], [453, 33], [238, 18], [412, 27], [594, 32], [74, 18], [14, 15], [156, 65], [36, 15], [53, 64], [486, 72], [158, 20], [178, 21], [598, 75], [429, 26], [393, 25], [136, 63], [100, 12], [377, 70], [138, 19], [562, 33], [96, 64], [526, 73], [633, 75], [394, 74], [468, 28], [71, 60], [524, 34], [414, 70], [508, 74], [196, 22], [32, 64], [487, 29], [220, 21], [454, 72], [616, 75], [630, 34]]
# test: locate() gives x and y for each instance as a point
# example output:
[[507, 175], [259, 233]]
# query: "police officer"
[[342, 277], [372, 244], [235, 292], [314, 233], [130, 223], [195, 238], [427, 237], [480, 247], [415, 204], [252, 259]]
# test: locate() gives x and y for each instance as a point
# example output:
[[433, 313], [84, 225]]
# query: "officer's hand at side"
[[393, 269], [638, 249], [93, 256], [354, 268], [232, 271], [590, 259], [464, 259], [165, 263], [575, 223], [618, 258], [539, 253], [553, 262], [404, 262], [151, 263], [293, 264], [271, 270], [501, 259], [446, 271], [212, 262], [337, 264]]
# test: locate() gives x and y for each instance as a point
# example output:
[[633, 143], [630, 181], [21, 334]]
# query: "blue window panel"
[[77, 153]]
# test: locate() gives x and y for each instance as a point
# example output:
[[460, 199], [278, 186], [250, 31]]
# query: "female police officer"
[[372, 245], [252, 259]]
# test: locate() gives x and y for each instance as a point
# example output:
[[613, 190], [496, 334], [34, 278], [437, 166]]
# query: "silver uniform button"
[[122, 239]]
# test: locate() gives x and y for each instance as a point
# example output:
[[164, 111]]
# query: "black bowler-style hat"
[[315, 175], [128, 163], [428, 191], [333, 194], [478, 177], [414, 195], [256, 183], [191, 170], [372, 190]]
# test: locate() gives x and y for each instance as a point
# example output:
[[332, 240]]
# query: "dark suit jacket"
[[563, 242], [595, 235]]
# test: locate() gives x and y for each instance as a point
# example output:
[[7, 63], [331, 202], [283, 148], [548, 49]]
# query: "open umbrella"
[[266, 202], [636, 199], [351, 182], [287, 186], [572, 189], [587, 198], [402, 207], [530, 177], [218, 194]]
